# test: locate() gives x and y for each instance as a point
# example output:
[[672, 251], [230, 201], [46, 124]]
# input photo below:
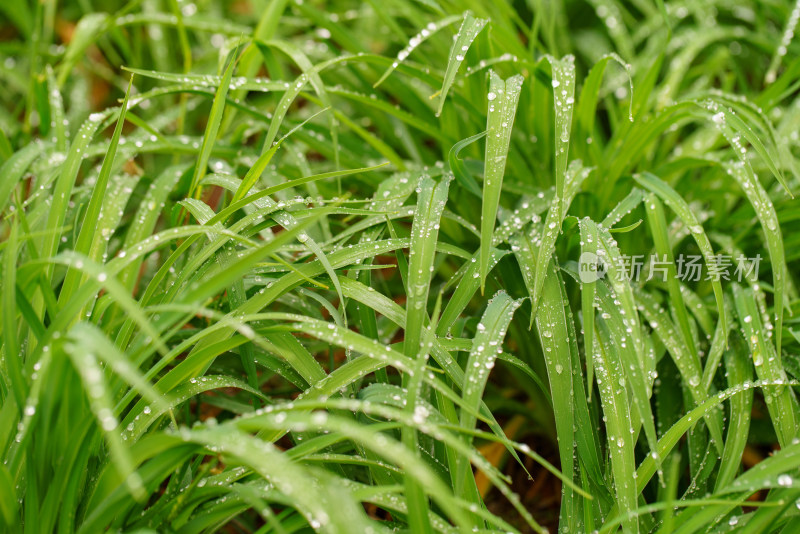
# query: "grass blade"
[[431, 199], [213, 125], [765, 211], [415, 41], [782, 402], [682, 209], [503, 98], [469, 30]]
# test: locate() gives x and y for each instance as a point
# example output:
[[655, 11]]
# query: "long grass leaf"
[[469, 30], [431, 199], [682, 210], [503, 98]]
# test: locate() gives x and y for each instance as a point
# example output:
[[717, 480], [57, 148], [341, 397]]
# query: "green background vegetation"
[[282, 266]]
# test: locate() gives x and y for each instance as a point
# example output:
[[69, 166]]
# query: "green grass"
[[279, 267]]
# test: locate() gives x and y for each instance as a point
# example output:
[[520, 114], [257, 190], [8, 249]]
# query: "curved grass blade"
[[467, 33], [459, 169], [310, 74], [137, 421], [415, 41], [86, 32], [301, 411], [314, 493], [671, 437], [742, 172], [734, 128], [485, 347], [623, 208], [254, 173], [94, 382], [590, 94]]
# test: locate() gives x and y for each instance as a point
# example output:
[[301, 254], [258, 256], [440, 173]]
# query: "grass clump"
[[421, 266]]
